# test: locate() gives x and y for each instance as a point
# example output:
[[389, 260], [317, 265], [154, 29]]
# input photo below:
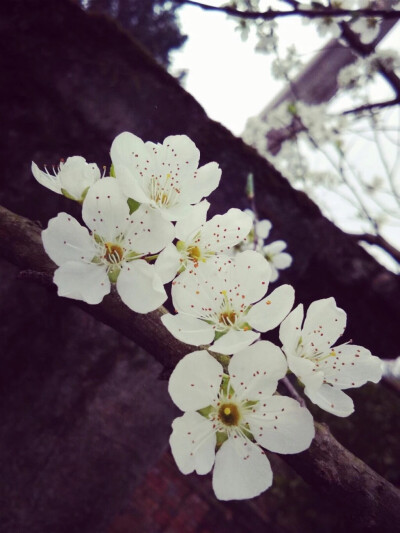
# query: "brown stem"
[[373, 501]]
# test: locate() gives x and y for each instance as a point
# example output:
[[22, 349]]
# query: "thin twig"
[[371, 107], [271, 14]]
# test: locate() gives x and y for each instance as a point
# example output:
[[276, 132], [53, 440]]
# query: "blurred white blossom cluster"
[[366, 27], [316, 146], [146, 226]]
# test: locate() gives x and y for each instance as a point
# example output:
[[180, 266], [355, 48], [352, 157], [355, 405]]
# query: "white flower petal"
[[193, 443], [195, 290], [148, 231], [176, 212], [76, 176], [241, 470], [282, 261], [253, 272], [352, 366], [82, 281], [223, 232], [270, 312], [255, 371], [66, 240], [131, 157], [263, 227], [331, 399], [168, 263], [202, 183], [140, 288], [324, 323], [290, 330], [306, 371], [130, 185], [274, 248], [185, 227], [46, 179], [274, 272], [180, 157], [281, 425], [105, 209], [234, 341], [188, 329], [195, 381]]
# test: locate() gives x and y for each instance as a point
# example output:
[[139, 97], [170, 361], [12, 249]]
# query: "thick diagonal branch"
[[327, 465]]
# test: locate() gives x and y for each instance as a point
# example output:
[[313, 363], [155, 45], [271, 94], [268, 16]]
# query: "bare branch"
[[372, 107], [271, 14], [327, 464], [381, 242]]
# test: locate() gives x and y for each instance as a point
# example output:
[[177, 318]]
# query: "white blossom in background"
[[288, 67], [227, 418], [200, 241], [111, 252], [164, 176], [366, 27], [267, 35], [72, 178], [273, 252], [324, 369], [224, 304], [277, 258]]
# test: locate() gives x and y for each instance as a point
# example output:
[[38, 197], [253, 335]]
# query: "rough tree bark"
[[71, 83]]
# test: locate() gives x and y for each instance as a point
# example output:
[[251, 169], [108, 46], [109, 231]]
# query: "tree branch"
[[271, 14], [381, 242], [372, 500], [372, 107]]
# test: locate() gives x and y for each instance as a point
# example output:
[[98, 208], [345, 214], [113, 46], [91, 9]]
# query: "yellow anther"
[[227, 411]]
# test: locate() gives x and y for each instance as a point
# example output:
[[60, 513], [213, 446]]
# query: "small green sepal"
[[133, 205]]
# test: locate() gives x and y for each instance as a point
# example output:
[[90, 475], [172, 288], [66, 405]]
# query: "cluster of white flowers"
[[360, 73], [147, 226]]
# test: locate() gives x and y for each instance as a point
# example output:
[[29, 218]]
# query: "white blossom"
[[111, 252], [277, 258], [163, 176], [367, 27], [225, 304], [200, 241], [72, 178], [323, 369], [235, 415]]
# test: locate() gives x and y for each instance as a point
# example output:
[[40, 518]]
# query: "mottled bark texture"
[[77, 403]]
